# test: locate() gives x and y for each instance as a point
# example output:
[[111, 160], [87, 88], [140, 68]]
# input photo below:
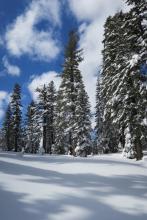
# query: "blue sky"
[[33, 34]]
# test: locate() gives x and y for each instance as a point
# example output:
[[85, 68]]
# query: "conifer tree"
[[82, 128], [118, 85], [2, 139], [109, 136], [68, 100], [50, 130], [42, 105], [138, 32], [99, 147], [33, 130], [15, 105], [123, 91], [7, 128], [130, 88], [46, 104]]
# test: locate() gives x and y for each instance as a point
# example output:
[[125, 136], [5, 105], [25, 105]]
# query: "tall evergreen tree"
[[47, 98], [7, 128], [138, 60], [70, 93], [107, 133], [133, 92], [2, 139], [50, 130], [42, 105], [123, 91], [15, 105], [82, 128], [99, 147], [33, 130]]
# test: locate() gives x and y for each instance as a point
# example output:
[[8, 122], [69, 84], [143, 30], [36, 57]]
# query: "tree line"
[[60, 121], [121, 109]]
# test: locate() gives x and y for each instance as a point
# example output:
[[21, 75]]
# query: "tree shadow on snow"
[[63, 159], [96, 188]]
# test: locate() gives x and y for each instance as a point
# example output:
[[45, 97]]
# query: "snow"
[[104, 187], [134, 60], [128, 149], [144, 121]]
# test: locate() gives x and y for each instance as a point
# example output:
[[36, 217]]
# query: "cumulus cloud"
[[92, 9], [92, 56], [92, 15], [23, 36], [43, 79], [11, 69], [4, 97]]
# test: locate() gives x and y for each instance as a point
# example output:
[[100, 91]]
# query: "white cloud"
[[92, 15], [44, 78], [4, 97], [11, 69], [23, 37], [92, 9], [90, 40]]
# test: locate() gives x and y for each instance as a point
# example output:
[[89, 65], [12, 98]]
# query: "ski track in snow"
[[102, 187]]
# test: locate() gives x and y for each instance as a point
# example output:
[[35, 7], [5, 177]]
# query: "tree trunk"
[[15, 143], [44, 135]]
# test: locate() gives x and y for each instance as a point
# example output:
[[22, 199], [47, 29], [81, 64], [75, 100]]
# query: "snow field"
[[102, 187]]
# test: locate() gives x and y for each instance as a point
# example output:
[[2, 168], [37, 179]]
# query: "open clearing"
[[104, 187]]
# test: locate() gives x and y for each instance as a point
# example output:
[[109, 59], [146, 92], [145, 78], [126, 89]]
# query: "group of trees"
[[12, 123], [60, 122], [121, 110]]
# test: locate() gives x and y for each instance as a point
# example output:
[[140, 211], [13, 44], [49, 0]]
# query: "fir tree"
[[42, 105], [33, 130], [82, 129], [47, 98], [99, 118], [7, 128], [2, 139], [68, 100], [123, 93], [50, 130], [138, 33], [113, 42], [15, 105]]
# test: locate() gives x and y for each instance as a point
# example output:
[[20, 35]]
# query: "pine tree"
[[118, 88], [123, 92], [68, 100], [99, 147], [50, 130], [42, 105], [15, 105], [33, 130], [46, 104], [2, 140], [138, 25], [82, 129], [113, 41], [60, 125], [133, 94], [7, 128]]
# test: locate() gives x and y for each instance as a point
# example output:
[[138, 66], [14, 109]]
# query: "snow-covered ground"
[[105, 187]]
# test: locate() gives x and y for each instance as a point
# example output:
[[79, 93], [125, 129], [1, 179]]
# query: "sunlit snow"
[[102, 187]]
